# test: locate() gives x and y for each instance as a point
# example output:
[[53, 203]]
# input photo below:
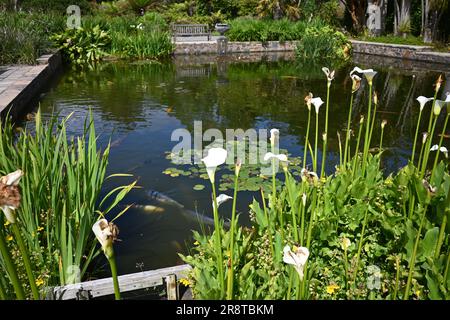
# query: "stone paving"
[[20, 83]]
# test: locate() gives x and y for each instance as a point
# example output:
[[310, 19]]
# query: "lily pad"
[[198, 187]]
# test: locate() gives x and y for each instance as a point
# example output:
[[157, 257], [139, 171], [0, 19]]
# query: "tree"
[[279, 9], [432, 11]]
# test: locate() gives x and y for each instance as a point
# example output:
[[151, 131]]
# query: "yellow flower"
[[6, 223], [39, 281], [417, 293], [331, 288], [39, 229], [196, 243], [185, 282], [9, 237]]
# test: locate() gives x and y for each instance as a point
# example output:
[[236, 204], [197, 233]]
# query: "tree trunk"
[[357, 11]]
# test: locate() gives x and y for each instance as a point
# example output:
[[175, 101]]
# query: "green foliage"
[[411, 40], [24, 37], [60, 196], [83, 45], [323, 43], [250, 29], [59, 6]]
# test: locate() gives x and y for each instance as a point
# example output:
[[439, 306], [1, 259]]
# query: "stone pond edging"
[[409, 52], [210, 47], [19, 84]]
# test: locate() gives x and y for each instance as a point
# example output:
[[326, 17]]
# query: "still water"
[[138, 105]]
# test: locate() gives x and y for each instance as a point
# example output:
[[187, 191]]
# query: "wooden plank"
[[172, 287], [128, 282]]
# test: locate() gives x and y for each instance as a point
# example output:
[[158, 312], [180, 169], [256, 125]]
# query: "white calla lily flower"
[[297, 258], [274, 135], [317, 102], [444, 150], [221, 198], [438, 104], [215, 158], [368, 73], [10, 194], [269, 156], [356, 82], [423, 101]]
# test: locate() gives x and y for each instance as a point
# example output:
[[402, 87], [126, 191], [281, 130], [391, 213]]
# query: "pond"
[[139, 105]]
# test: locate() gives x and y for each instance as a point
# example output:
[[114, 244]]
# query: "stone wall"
[[20, 84], [409, 52], [210, 47]]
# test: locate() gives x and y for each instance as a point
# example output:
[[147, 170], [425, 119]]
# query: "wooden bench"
[[190, 30]]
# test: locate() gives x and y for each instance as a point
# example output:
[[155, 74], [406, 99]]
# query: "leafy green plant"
[[60, 200], [355, 234], [83, 45], [323, 43]]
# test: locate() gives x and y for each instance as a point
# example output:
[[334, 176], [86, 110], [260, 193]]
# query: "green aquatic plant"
[[59, 196], [354, 234]]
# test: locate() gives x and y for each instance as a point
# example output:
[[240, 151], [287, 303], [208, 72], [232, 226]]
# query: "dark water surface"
[[138, 105]]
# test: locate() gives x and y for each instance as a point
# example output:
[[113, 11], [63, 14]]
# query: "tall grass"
[[60, 189], [24, 37]]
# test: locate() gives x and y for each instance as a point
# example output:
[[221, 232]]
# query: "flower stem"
[[316, 142], [218, 242], [366, 137], [269, 224], [412, 262], [347, 136], [361, 240], [415, 137], [357, 150], [305, 153], [113, 266], [26, 260], [233, 223], [427, 149], [11, 268], [397, 278], [291, 200], [324, 156]]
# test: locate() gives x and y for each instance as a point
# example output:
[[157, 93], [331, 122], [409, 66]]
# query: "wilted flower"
[[308, 175], [441, 149], [324, 136], [304, 199], [329, 74], [215, 157], [297, 258], [308, 99], [422, 101], [10, 194], [356, 82], [106, 233], [368, 73], [375, 98], [439, 82], [221, 198], [361, 119], [432, 190], [383, 123], [238, 167]]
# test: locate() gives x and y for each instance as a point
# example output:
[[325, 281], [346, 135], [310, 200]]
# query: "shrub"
[[54, 5], [24, 37], [83, 45], [323, 43]]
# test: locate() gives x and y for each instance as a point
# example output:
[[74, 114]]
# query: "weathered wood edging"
[[19, 84], [409, 52], [128, 282]]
